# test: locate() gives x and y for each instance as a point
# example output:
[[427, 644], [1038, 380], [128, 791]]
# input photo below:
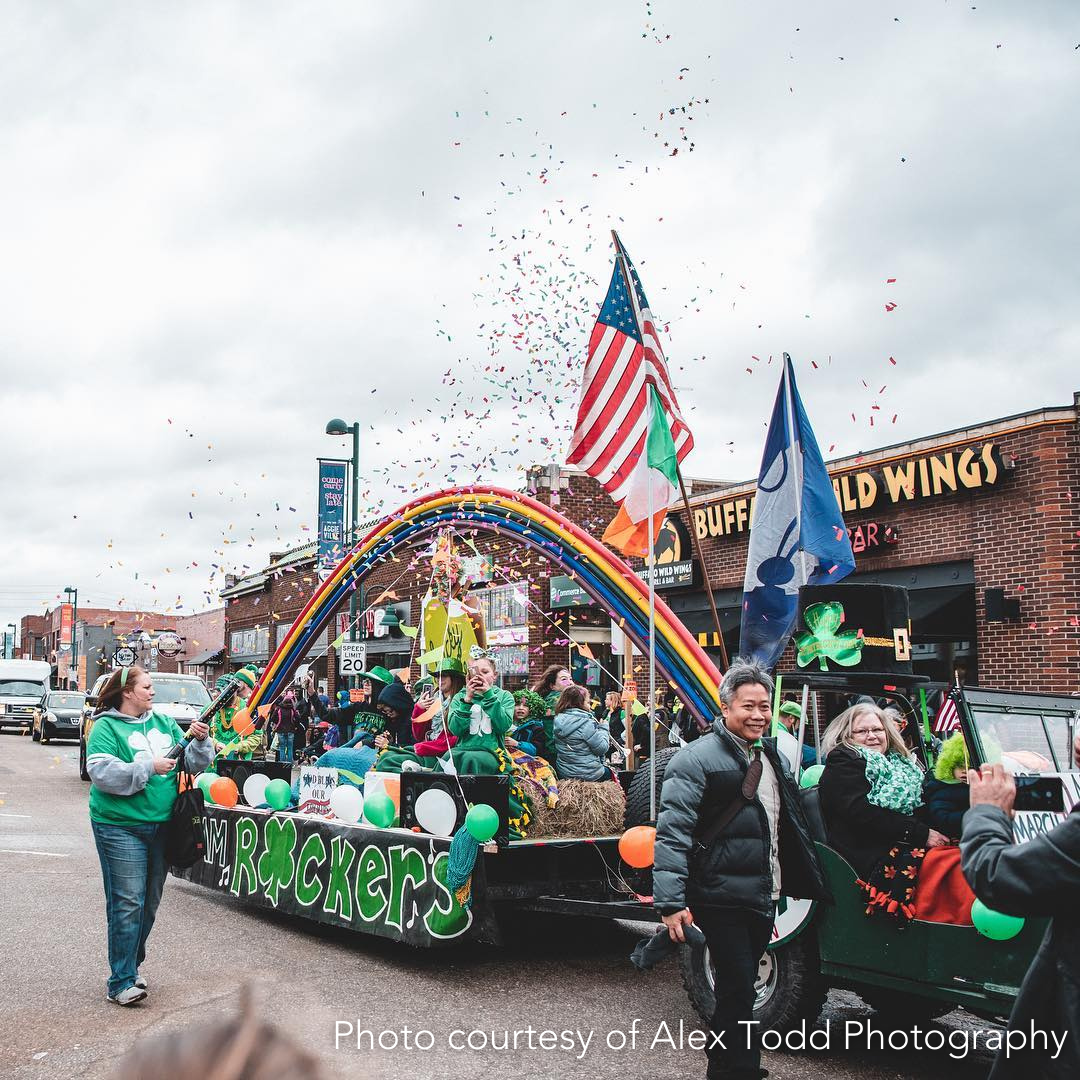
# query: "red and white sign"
[[67, 627]]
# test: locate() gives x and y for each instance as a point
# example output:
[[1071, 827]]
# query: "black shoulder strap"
[[746, 796]]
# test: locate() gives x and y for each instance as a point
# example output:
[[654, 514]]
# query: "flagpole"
[[650, 563], [650, 554], [724, 662], [796, 460]]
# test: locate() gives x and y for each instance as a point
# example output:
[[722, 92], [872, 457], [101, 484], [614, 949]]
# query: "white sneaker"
[[140, 982], [129, 996]]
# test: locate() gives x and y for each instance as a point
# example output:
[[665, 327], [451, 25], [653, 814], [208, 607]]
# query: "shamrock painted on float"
[[276, 865], [822, 641]]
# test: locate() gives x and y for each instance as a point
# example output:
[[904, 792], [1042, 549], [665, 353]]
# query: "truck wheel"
[[637, 795], [637, 813], [83, 774], [896, 1009], [790, 987]]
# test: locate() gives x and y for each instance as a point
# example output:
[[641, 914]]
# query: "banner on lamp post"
[[332, 476], [67, 627]]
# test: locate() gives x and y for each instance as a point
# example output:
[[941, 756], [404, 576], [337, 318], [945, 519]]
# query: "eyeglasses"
[[868, 731]]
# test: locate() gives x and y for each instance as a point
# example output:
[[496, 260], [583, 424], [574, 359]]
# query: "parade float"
[[404, 884]]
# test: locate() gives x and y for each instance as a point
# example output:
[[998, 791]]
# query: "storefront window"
[[511, 659], [504, 607]]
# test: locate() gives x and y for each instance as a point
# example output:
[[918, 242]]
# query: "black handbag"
[[185, 837]]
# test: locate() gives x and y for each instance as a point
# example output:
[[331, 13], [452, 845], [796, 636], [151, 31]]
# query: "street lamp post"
[[14, 639], [72, 591], [339, 427]]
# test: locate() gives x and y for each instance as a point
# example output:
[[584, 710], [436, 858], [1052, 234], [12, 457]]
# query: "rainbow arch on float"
[[601, 573]]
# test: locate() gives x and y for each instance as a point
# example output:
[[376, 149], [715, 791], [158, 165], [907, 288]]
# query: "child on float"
[[432, 735], [581, 741], [945, 791], [528, 733], [480, 716]]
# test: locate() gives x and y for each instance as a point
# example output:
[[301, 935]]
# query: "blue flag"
[[797, 536]]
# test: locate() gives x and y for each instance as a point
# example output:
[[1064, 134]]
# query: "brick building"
[[981, 525], [98, 633], [203, 638], [33, 638]]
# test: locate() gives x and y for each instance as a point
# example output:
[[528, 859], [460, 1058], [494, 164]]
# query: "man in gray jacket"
[[728, 884], [1038, 878]]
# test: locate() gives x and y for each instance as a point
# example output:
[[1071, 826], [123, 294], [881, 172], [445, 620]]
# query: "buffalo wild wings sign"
[[896, 484]]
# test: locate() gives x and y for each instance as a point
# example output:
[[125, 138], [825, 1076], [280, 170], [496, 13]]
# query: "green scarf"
[[895, 780]]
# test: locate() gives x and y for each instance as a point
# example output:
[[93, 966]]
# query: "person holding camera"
[[1038, 878]]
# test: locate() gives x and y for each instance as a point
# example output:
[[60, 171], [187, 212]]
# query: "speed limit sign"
[[352, 657]]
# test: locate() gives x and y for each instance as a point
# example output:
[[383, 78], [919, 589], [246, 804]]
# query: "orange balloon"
[[636, 846], [264, 710], [242, 722], [224, 791]]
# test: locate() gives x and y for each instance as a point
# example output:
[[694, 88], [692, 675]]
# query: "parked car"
[[58, 716], [182, 697]]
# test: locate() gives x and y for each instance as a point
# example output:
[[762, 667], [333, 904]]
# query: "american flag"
[[947, 719], [613, 417]]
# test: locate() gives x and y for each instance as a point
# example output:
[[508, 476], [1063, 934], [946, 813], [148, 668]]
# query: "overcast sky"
[[224, 224]]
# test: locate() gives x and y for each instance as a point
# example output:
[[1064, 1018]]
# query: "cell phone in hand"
[[1039, 793]]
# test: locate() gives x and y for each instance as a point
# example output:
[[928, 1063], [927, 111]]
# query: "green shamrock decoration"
[[276, 864], [822, 642]]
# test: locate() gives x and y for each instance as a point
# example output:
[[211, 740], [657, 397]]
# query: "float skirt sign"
[[331, 515], [385, 882]]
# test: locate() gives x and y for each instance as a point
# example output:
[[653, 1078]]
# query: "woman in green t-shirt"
[[133, 788]]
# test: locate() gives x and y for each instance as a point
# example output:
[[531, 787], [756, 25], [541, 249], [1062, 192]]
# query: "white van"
[[23, 686]]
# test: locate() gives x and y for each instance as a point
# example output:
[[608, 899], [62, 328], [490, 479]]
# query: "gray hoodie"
[[113, 776], [581, 743]]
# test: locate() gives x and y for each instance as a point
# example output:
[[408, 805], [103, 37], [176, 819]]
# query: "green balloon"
[[811, 776], [204, 780], [995, 924], [482, 822], [278, 794], [379, 810]]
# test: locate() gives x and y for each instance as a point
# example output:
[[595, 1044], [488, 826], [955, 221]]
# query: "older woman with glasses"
[[870, 790]]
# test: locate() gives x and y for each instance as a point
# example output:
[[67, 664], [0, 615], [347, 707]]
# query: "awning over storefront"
[[211, 656]]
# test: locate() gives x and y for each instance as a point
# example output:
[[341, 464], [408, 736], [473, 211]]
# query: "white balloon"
[[436, 812], [255, 789], [347, 803]]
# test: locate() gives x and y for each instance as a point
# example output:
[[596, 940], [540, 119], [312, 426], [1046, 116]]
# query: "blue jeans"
[[134, 869], [285, 745]]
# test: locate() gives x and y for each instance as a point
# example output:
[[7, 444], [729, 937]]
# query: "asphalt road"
[[314, 981]]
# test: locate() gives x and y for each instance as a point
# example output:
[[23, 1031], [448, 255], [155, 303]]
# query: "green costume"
[[480, 726], [228, 743]]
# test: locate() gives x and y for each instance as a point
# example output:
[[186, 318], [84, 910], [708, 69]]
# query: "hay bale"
[[585, 808]]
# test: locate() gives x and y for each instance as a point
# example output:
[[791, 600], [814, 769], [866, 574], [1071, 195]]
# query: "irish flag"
[[653, 484]]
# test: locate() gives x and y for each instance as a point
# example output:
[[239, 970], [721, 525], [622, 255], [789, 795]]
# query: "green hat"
[[378, 674], [953, 754], [791, 708], [246, 676], [450, 665], [537, 705]]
